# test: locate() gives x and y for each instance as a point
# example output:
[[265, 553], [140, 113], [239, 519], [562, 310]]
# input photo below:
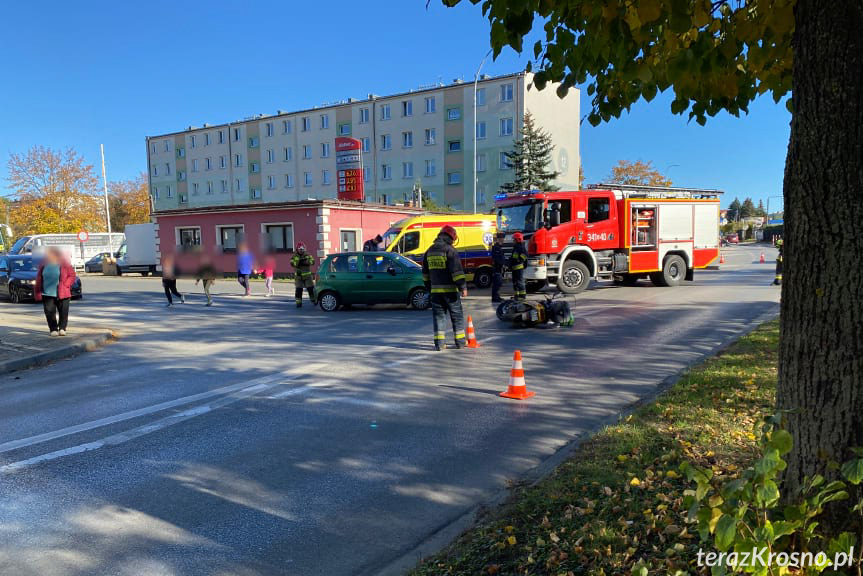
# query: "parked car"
[[732, 238], [18, 277], [370, 278], [94, 264]]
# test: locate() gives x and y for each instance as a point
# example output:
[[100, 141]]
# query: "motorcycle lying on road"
[[548, 313]]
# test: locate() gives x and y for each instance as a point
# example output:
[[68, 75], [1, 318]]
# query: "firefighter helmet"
[[517, 237], [301, 247], [449, 231]]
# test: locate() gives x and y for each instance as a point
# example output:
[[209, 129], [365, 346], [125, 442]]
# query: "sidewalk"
[[24, 343]]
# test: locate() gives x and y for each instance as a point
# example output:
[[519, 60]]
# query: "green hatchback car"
[[370, 278]]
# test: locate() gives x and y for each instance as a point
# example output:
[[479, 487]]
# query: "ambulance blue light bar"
[[506, 195]]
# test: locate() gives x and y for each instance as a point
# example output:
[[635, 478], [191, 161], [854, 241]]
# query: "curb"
[[445, 534], [79, 347]]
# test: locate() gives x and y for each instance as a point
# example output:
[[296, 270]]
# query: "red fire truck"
[[612, 232]]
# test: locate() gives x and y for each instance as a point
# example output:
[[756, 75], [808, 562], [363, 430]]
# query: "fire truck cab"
[[612, 232]]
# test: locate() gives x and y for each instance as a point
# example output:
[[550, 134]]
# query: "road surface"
[[251, 438]]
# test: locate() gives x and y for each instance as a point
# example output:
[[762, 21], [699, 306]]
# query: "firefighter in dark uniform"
[[444, 279], [517, 262], [302, 263], [779, 258], [498, 260]]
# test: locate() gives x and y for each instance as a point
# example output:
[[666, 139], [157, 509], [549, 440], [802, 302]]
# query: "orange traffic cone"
[[471, 334], [762, 259], [721, 258], [517, 388]]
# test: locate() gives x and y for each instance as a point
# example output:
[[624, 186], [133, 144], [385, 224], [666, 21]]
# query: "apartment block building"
[[423, 137]]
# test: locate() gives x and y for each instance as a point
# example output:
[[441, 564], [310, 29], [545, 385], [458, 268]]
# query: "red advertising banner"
[[349, 168]]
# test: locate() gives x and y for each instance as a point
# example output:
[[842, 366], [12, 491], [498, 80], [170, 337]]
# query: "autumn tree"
[[637, 173], [129, 201], [719, 56], [57, 192], [530, 159]]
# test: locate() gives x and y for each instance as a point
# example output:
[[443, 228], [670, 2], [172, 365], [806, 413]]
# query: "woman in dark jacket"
[[53, 288]]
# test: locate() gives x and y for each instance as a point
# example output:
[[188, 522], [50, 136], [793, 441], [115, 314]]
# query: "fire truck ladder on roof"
[[638, 191]]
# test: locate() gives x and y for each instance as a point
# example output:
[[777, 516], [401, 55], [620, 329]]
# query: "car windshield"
[[23, 264], [520, 218], [19, 245], [390, 236], [406, 262]]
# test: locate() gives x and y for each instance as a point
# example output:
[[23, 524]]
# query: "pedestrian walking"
[[245, 266], [498, 260], [516, 264], [207, 274], [373, 244], [169, 280], [444, 279], [268, 271], [302, 263], [53, 288]]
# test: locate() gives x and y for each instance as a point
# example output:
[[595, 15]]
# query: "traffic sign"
[[83, 236]]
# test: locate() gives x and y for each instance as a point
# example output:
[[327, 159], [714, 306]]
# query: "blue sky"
[[114, 72]]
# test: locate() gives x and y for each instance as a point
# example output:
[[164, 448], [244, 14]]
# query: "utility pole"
[[475, 82], [107, 207]]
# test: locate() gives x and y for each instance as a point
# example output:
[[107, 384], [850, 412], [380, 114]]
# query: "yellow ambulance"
[[411, 237]]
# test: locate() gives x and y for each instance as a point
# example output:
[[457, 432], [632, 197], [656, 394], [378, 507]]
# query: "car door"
[[600, 225], [379, 285], [4, 276], [343, 273]]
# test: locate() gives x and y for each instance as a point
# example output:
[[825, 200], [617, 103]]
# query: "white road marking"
[[256, 384]]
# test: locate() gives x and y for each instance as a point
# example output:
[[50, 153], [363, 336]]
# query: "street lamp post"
[[475, 82]]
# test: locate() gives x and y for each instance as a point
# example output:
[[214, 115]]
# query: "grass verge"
[[618, 500]]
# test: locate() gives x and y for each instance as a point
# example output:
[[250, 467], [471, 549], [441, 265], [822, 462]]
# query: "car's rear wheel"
[[14, 295], [482, 278], [329, 301], [419, 299]]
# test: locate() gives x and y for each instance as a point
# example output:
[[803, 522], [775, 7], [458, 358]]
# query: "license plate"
[[534, 315]]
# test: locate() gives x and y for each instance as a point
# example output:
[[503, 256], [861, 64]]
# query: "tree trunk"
[[821, 348]]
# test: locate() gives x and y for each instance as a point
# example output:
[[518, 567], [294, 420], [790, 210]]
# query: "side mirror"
[[391, 270]]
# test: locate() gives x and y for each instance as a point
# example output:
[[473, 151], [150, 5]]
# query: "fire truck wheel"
[[574, 278], [673, 271]]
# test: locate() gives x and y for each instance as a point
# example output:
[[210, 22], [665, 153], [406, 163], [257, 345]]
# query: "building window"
[[230, 237], [254, 167], [453, 178], [188, 237], [223, 162], [386, 172], [209, 187], [325, 149], [224, 189], [253, 142], [407, 169], [154, 148], [194, 188], [430, 105], [192, 141], [506, 93], [238, 160], [407, 108], [366, 143], [255, 193], [345, 129], [279, 237], [169, 192], [480, 162], [386, 142], [407, 139], [385, 111], [167, 145], [221, 136], [326, 180], [430, 136], [271, 156], [155, 192], [307, 151], [184, 198], [181, 152], [238, 185], [208, 164], [288, 154], [505, 163], [269, 126], [506, 126], [289, 180], [236, 134], [207, 139], [365, 173], [181, 176], [364, 115], [325, 121], [454, 145], [480, 130], [195, 165], [286, 127], [431, 169], [307, 178], [271, 182], [480, 96], [453, 113], [155, 170], [307, 124]]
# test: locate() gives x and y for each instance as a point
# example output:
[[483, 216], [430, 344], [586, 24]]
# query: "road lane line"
[[265, 381]]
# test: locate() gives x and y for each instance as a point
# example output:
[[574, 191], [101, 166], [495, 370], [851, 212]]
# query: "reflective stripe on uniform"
[[440, 336], [457, 277], [518, 267], [459, 336], [444, 289]]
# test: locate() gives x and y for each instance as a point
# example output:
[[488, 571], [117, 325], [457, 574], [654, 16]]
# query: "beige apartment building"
[[423, 137]]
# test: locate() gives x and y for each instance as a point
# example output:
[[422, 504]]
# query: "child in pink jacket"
[[267, 271]]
